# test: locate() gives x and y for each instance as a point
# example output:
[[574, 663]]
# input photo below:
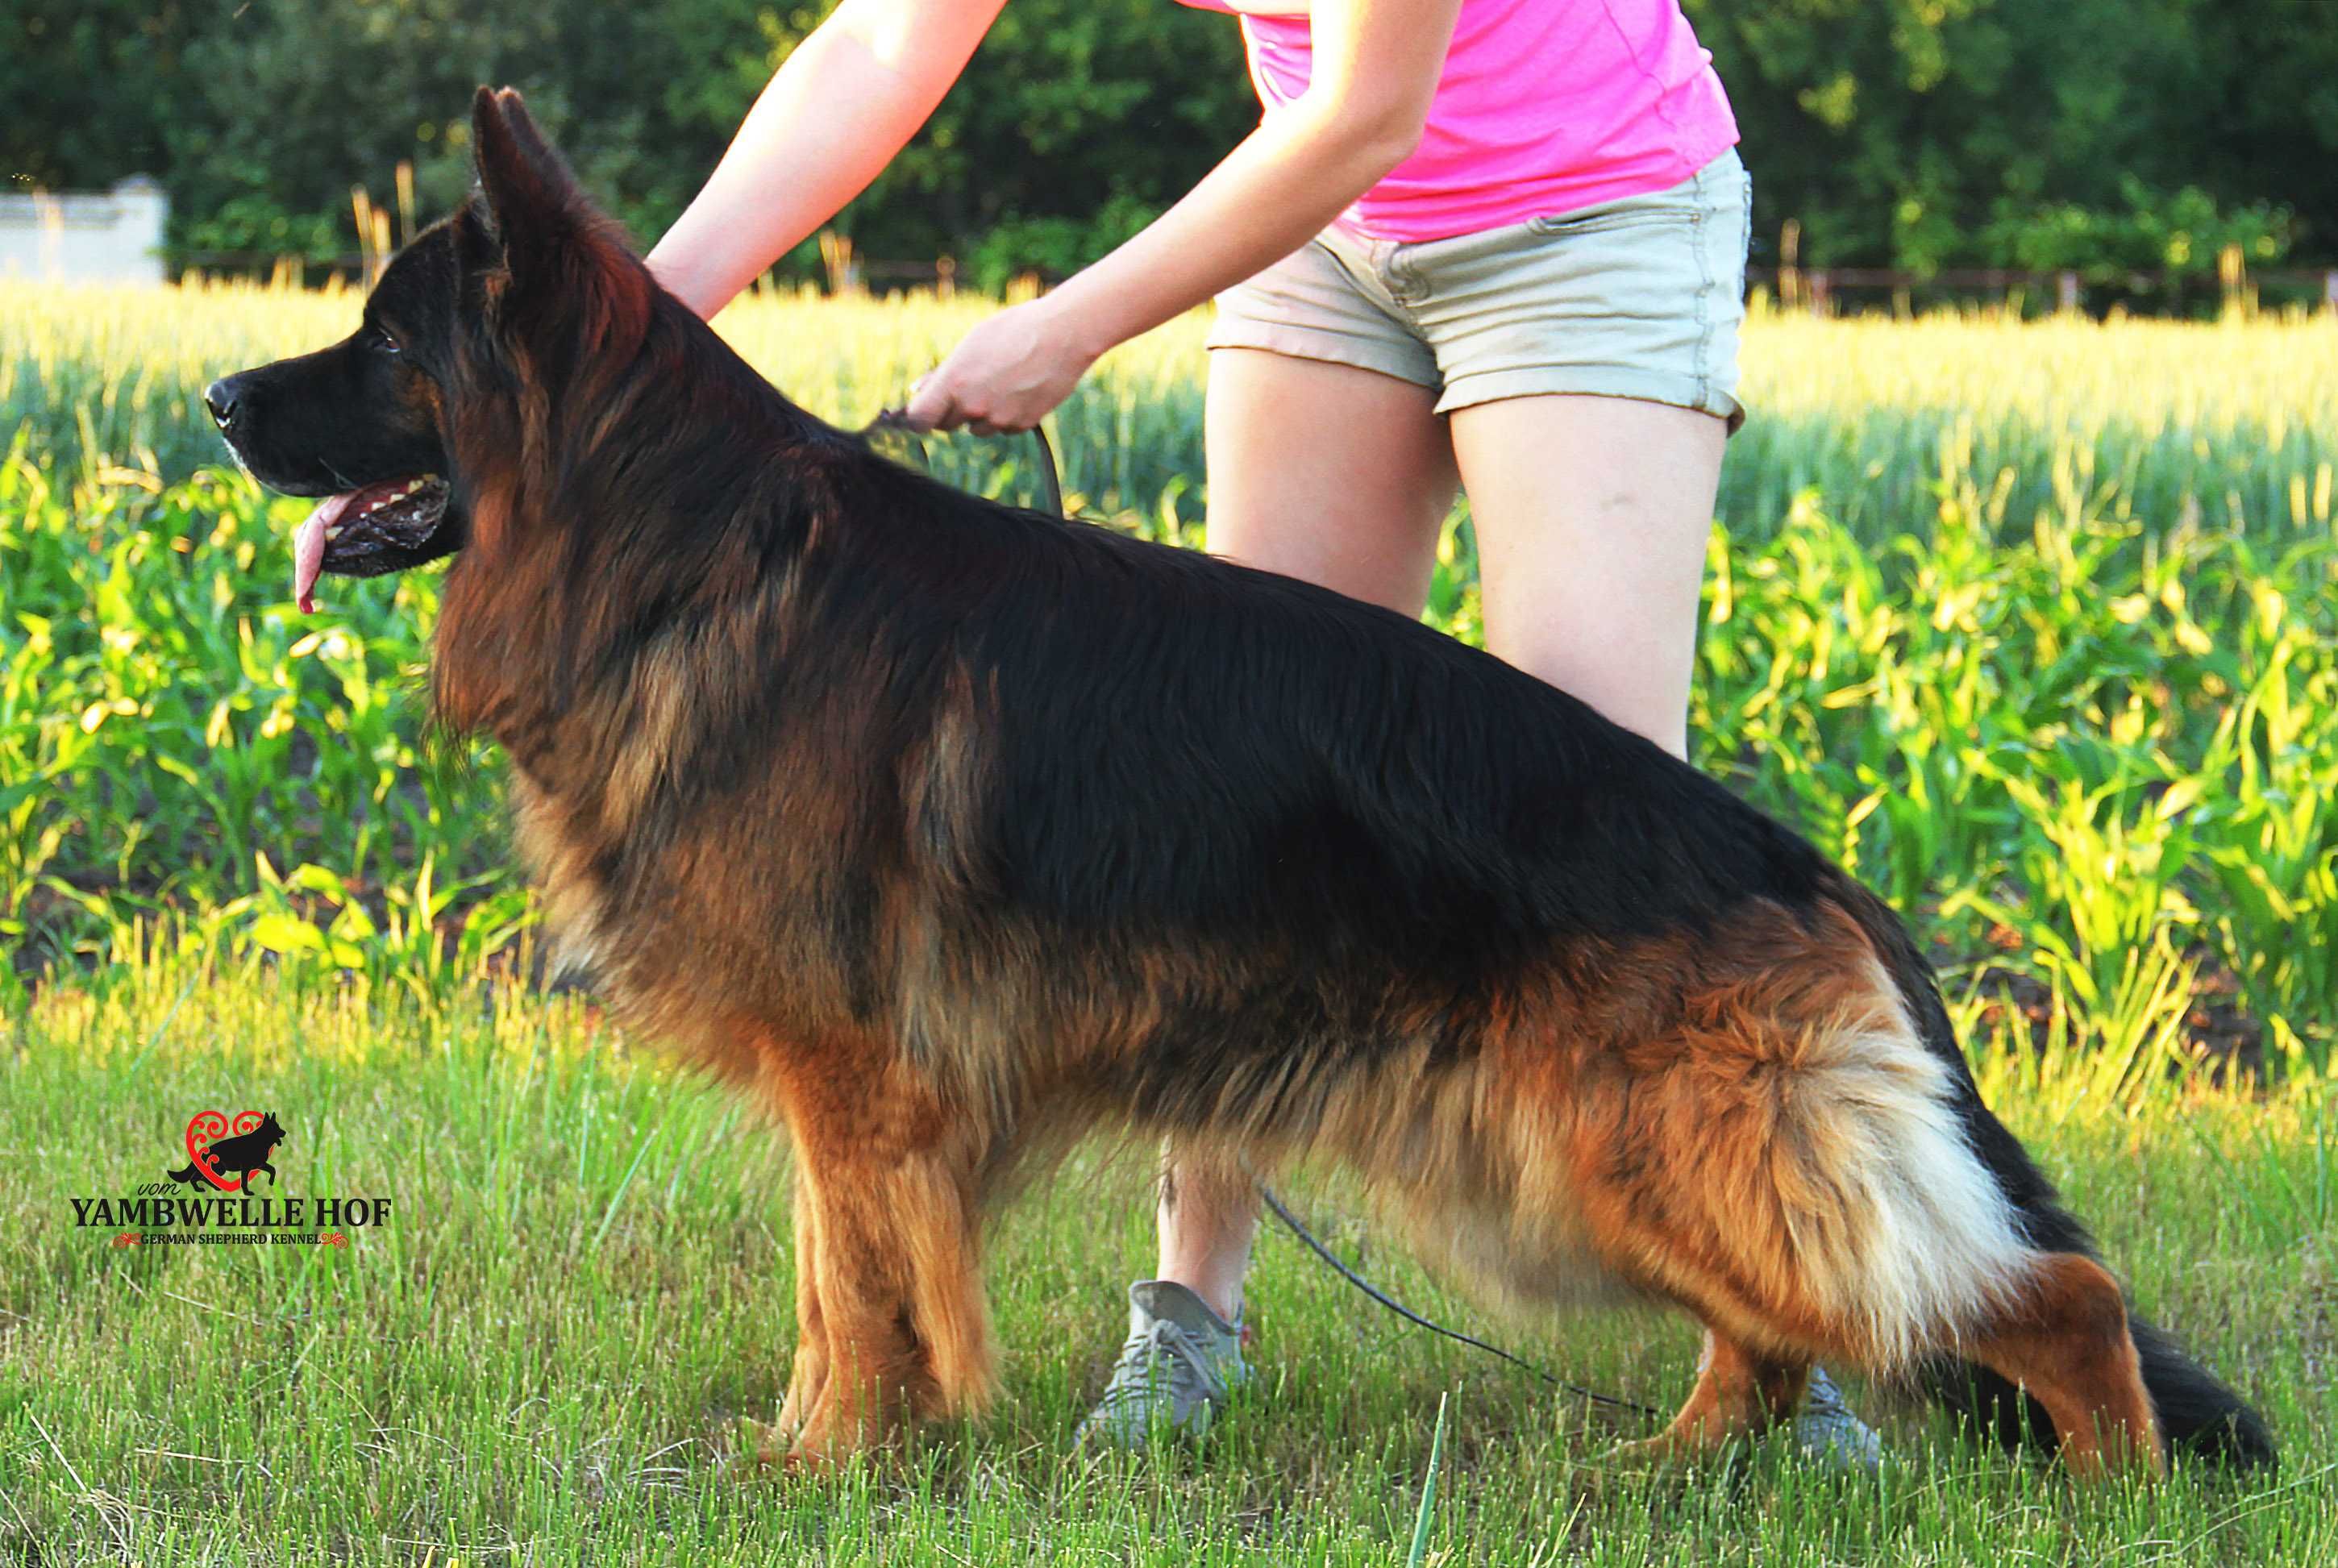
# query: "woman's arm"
[[844, 102], [1377, 63]]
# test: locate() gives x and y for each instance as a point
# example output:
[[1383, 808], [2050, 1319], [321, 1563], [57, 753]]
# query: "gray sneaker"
[[1829, 1433], [1180, 1361]]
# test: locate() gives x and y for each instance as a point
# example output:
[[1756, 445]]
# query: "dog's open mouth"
[[367, 531]]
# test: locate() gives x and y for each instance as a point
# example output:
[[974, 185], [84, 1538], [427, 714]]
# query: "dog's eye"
[[384, 341]]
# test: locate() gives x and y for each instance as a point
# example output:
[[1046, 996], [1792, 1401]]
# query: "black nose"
[[221, 397]]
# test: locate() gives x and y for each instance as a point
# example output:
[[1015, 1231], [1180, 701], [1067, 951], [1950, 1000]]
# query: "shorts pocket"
[[1703, 197], [1638, 213]]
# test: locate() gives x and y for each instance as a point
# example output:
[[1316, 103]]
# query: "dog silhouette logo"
[[228, 1156]]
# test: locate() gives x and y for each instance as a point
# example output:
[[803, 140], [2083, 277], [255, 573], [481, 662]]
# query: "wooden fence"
[[1820, 291]]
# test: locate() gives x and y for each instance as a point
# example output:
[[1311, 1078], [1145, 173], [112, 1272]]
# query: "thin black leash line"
[[897, 419], [1409, 1315]]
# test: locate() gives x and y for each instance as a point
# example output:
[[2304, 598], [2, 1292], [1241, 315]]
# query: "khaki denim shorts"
[[1639, 298]]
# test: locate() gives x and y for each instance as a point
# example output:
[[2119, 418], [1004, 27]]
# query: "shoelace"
[[1134, 1375], [1824, 1401]]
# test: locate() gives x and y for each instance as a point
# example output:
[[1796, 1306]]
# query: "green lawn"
[[587, 1275]]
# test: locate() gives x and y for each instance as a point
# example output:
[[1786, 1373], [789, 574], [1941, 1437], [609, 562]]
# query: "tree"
[[1925, 133], [79, 78], [2101, 134], [289, 102], [1077, 120]]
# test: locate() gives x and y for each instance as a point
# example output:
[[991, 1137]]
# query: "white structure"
[[95, 236]]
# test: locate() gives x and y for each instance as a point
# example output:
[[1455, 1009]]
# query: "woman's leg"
[[1340, 477], [1330, 473], [1592, 515]]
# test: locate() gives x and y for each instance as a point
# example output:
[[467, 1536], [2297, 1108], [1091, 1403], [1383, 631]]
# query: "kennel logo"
[[211, 1196], [211, 1154]]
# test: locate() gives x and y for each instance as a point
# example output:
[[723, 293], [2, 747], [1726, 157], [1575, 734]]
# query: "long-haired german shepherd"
[[954, 830]]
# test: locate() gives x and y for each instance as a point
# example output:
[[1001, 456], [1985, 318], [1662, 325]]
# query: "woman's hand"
[[1375, 70], [1005, 375]]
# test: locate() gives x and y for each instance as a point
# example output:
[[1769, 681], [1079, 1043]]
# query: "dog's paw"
[[1642, 1452], [747, 1449]]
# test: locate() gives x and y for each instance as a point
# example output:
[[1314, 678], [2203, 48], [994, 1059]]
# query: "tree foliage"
[[2086, 133], [2097, 134]]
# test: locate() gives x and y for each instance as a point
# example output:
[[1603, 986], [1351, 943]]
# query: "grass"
[[587, 1276], [2033, 626]]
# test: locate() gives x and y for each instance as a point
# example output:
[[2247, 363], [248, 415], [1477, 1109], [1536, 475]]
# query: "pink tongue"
[[308, 548]]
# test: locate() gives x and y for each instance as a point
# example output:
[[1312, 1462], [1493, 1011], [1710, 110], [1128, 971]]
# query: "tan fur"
[[2069, 1347], [1739, 1393], [664, 717]]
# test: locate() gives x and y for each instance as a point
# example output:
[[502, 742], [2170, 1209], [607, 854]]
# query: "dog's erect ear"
[[534, 203], [560, 252]]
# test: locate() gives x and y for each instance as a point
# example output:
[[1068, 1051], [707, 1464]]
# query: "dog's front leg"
[[891, 1317], [808, 1375]]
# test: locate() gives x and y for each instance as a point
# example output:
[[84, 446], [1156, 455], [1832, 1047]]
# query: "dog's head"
[[499, 303], [269, 1129]]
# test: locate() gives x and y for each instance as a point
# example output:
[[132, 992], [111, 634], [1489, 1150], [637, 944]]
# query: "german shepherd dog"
[[952, 830]]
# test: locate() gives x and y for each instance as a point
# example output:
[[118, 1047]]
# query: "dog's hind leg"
[[2066, 1343], [1740, 1393], [1761, 1135]]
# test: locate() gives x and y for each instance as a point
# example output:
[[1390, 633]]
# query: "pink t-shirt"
[[1544, 106]]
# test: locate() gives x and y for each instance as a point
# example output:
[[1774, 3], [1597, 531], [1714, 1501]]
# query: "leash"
[[897, 420], [1590, 1394]]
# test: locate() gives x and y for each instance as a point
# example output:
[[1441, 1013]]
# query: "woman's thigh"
[[1326, 472], [1592, 515]]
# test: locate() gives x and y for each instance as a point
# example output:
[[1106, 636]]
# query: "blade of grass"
[[1414, 1558]]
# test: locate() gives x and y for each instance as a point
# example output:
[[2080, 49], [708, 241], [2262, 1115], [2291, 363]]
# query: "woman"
[[1499, 243]]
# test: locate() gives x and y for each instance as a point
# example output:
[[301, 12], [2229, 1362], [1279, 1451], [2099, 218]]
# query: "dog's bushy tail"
[[2198, 1414], [188, 1173]]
